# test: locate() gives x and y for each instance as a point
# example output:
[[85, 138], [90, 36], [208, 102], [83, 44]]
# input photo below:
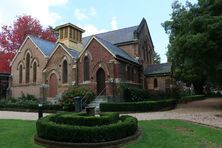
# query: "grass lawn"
[[177, 134], [17, 134], [156, 133]]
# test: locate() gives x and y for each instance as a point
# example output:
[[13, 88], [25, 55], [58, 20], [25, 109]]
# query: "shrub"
[[138, 106], [191, 98], [27, 97], [83, 119], [25, 105], [135, 94], [50, 130], [67, 101]]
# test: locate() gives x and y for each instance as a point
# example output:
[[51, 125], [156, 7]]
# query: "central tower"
[[70, 35]]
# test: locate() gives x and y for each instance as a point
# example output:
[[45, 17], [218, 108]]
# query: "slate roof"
[[117, 36], [73, 52], [118, 52], [158, 69], [45, 46]]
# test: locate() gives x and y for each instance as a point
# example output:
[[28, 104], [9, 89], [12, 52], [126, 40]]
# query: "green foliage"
[[81, 119], [50, 130], [68, 102], [195, 32], [156, 58], [135, 94], [26, 102], [142, 106], [191, 98], [28, 98]]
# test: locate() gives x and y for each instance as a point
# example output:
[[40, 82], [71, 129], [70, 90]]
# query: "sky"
[[96, 16]]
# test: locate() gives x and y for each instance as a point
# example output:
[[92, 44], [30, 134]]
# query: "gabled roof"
[[158, 69], [45, 46], [115, 51], [115, 37]]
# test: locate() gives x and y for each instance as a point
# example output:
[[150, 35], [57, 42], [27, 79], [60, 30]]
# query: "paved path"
[[203, 112]]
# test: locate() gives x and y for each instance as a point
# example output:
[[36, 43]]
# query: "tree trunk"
[[198, 87]]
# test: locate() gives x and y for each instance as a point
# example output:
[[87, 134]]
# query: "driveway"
[[208, 112]]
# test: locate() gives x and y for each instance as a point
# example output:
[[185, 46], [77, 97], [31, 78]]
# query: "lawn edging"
[[186, 99]]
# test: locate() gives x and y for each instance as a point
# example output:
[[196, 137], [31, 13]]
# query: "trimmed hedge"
[[28, 106], [47, 129], [135, 94], [138, 106], [84, 120], [191, 98]]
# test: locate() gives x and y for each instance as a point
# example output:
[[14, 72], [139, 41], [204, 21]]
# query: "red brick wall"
[[100, 57]]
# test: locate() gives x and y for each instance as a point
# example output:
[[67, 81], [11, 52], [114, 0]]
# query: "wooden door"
[[100, 78], [53, 85]]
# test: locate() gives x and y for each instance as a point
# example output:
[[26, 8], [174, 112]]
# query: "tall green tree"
[[195, 36], [156, 59]]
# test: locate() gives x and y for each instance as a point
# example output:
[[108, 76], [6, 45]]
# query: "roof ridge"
[[111, 31], [30, 35]]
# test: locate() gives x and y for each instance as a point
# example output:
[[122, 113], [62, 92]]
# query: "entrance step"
[[99, 99]]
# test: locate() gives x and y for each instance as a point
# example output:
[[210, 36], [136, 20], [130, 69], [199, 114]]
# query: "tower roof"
[[69, 25]]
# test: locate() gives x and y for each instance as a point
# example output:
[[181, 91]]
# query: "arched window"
[[27, 70], [155, 83], [86, 68], [34, 72], [64, 72], [20, 74]]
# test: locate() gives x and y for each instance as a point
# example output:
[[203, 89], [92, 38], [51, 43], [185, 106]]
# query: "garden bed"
[[142, 106]]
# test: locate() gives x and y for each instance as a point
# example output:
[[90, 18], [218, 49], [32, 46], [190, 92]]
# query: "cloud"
[[90, 29], [38, 9], [114, 23], [93, 11], [80, 14], [83, 14]]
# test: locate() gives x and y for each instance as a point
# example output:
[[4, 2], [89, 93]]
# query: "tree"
[[156, 58], [12, 37], [195, 32], [5, 61]]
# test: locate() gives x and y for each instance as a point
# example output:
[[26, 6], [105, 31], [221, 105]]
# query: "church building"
[[101, 62]]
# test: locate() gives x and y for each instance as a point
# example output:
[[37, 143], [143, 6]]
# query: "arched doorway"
[[53, 85], [100, 79]]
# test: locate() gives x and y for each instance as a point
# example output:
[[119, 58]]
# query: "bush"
[[27, 104], [27, 97], [191, 98], [138, 106], [50, 130], [135, 94], [84, 120], [67, 101]]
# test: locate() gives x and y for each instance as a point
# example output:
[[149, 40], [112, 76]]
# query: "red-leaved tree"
[[12, 37]]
